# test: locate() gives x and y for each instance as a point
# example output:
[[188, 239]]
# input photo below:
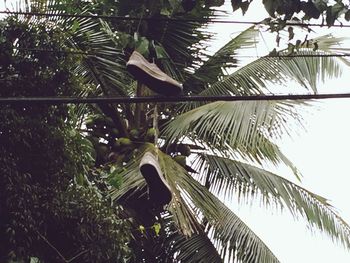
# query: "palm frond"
[[185, 42], [327, 43], [227, 177], [266, 152], [104, 66], [260, 75], [182, 215], [255, 77], [106, 63], [215, 67], [238, 124], [233, 240], [193, 202], [197, 248], [133, 182], [104, 59], [331, 45]]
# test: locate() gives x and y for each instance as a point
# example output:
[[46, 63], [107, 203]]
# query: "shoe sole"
[[155, 84], [159, 193]]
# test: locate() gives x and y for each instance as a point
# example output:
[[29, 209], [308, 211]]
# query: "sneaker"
[[152, 76], [159, 190]]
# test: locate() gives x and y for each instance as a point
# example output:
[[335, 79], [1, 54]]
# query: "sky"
[[322, 155]]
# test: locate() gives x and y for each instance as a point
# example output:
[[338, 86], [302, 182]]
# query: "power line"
[[128, 18], [235, 56], [124, 18], [296, 56], [160, 99], [77, 52]]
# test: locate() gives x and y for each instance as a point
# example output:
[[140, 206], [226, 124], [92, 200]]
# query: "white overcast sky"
[[322, 155]]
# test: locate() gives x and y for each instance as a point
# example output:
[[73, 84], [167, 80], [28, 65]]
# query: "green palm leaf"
[[181, 39], [133, 182], [255, 77], [104, 65], [193, 205], [260, 75], [330, 45], [215, 68], [243, 126], [227, 176], [197, 248], [233, 239]]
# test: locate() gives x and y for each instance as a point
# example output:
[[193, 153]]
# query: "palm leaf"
[[245, 126], [255, 77], [133, 182], [101, 61], [182, 215], [105, 61], [228, 176], [233, 239], [197, 248], [184, 41], [192, 204], [330, 45], [266, 152], [216, 66], [260, 75]]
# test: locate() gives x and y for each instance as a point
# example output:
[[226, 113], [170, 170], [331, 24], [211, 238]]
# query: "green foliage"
[[228, 129], [248, 180], [78, 182], [43, 213], [239, 4], [288, 9]]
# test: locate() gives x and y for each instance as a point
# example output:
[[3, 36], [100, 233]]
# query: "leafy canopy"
[[46, 213]]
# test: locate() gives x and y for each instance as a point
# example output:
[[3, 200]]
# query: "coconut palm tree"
[[209, 153]]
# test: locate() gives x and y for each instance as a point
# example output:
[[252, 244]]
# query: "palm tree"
[[210, 153]]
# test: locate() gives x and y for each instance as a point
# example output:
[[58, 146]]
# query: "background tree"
[[45, 211], [226, 141], [281, 11]]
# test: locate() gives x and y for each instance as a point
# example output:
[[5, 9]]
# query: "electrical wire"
[[235, 56], [77, 52], [168, 99], [123, 18], [128, 18]]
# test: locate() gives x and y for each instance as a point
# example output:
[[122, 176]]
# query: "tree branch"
[[78, 255], [53, 247], [59, 253]]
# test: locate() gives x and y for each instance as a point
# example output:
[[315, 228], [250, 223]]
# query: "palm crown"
[[209, 153]]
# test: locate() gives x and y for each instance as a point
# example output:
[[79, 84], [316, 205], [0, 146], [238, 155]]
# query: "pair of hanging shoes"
[[159, 190], [155, 79], [152, 76]]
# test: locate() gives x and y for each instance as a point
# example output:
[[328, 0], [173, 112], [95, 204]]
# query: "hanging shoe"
[[152, 76], [159, 190]]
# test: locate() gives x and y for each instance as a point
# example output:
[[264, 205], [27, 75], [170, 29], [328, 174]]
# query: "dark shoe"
[[149, 74], [159, 190]]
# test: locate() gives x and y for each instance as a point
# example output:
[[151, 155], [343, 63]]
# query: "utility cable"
[[128, 18], [235, 56], [161, 99], [77, 52]]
